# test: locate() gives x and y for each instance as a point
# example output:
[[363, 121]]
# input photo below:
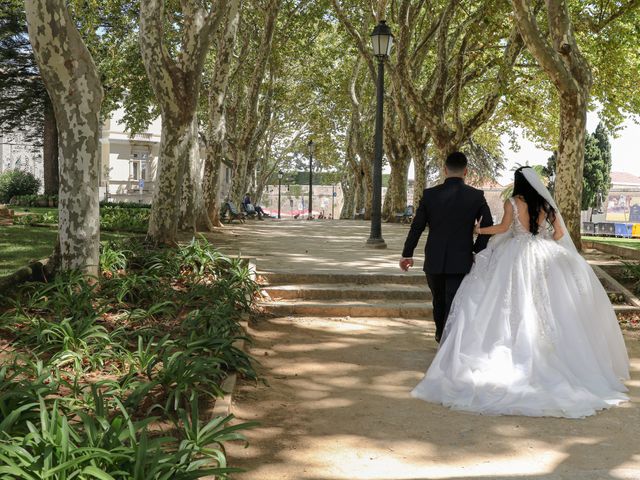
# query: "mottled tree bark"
[[50, 151], [395, 201], [74, 87], [420, 177], [348, 197], [192, 182], [361, 194], [209, 212], [558, 54], [176, 85], [399, 157], [256, 115]]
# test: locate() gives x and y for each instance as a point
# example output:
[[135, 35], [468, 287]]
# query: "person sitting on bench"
[[250, 209]]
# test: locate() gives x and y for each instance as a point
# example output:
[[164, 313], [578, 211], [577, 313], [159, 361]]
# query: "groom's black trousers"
[[443, 288]]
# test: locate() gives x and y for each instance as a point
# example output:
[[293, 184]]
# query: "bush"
[[124, 205], [156, 332], [17, 182], [48, 218], [124, 219], [34, 200]]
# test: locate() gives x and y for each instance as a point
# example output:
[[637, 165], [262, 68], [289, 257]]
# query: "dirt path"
[[338, 407]]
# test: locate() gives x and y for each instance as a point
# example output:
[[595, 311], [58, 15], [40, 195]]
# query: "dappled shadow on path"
[[318, 246], [337, 406]]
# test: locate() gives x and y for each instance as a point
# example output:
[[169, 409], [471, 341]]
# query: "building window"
[[138, 165]]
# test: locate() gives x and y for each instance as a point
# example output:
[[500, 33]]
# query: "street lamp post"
[[311, 147], [280, 175], [381, 41]]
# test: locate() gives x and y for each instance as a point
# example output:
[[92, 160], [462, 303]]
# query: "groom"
[[451, 211]]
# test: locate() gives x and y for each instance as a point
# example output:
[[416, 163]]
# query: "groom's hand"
[[405, 263]]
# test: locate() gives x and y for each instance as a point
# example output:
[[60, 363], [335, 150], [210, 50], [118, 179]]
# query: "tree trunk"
[[395, 201], [74, 87], [176, 85], [255, 118], [420, 179], [348, 197], [192, 183], [240, 181], [367, 186], [50, 151], [568, 181], [360, 193], [175, 149], [209, 216]]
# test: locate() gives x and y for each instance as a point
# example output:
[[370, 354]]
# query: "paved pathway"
[[337, 406], [316, 246]]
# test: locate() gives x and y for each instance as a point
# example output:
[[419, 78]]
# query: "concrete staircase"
[[342, 295]]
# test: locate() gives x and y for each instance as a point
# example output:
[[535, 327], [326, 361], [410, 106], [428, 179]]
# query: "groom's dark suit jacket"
[[450, 210]]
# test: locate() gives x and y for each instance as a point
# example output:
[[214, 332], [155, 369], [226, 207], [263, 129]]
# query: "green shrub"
[[156, 332], [17, 182], [124, 205], [35, 200], [114, 447], [124, 219], [48, 218], [112, 257]]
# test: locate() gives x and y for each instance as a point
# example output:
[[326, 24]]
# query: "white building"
[[17, 152], [129, 163]]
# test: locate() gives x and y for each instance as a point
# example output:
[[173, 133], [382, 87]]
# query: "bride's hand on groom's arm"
[[476, 228]]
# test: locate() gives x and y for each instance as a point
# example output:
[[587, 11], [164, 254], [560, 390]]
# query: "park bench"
[[230, 209]]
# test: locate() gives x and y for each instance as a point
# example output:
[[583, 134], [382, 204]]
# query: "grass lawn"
[[20, 245], [620, 242]]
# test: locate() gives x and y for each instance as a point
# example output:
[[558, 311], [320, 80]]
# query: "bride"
[[531, 329]]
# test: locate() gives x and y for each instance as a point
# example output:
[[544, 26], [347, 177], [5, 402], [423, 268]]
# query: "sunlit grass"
[[620, 242], [20, 245]]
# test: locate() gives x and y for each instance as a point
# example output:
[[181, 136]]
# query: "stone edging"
[[625, 252], [222, 406], [629, 296]]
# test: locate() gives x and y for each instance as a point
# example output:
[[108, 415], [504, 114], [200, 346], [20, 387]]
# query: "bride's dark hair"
[[535, 202]]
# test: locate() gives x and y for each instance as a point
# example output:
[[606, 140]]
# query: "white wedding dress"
[[531, 332]]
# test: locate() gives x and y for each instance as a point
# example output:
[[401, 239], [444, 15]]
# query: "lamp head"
[[382, 40]]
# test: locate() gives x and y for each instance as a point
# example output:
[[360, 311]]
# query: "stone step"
[[626, 309], [348, 291], [293, 278], [414, 310]]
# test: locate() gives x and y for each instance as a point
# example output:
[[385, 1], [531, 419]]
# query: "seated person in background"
[[247, 201]]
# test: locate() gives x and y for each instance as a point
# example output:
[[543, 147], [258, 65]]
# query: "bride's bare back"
[[523, 217]]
